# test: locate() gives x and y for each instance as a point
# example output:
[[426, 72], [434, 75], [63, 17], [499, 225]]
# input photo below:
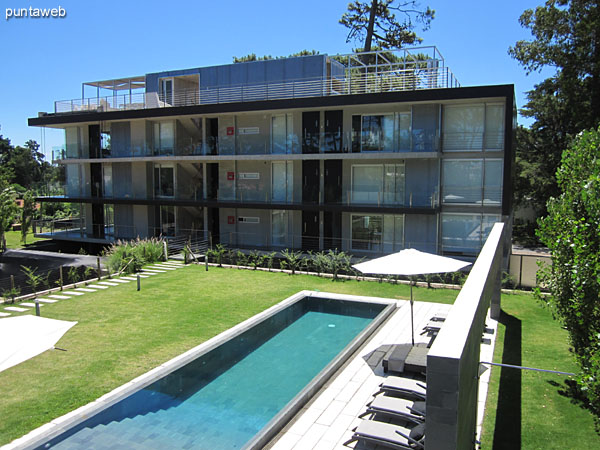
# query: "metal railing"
[[365, 83]]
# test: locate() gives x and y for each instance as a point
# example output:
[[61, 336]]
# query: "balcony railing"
[[388, 81]]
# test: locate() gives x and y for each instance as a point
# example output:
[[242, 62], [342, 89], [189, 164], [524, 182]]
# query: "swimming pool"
[[236, 390]]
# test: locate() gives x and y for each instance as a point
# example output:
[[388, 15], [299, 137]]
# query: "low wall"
[[453, 361], [523, 268]]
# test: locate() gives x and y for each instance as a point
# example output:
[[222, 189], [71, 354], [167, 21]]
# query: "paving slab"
[[85, 290], [15, 309], [154, 271], [127, 279], [141, 275], [108, 283], [29, 304], [98, 286], [4, 314], [59, 297], [72, 293], [146, 273], [162, 268], [115, 280], [47, 300]]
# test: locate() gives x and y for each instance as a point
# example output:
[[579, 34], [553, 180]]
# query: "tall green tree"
[[376, 22], [8, 210], [571, 231], [27, 215], [566, 38]]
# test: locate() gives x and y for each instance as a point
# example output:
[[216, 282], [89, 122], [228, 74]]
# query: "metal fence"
[[366, 83]]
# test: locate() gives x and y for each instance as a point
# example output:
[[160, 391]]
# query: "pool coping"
[[55, 427]]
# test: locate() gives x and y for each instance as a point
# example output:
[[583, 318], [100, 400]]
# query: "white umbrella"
[[410, 262]]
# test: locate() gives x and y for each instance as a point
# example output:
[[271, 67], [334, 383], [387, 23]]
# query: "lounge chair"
[[403, 387], [439, 316], [390, 436], [406, 410]]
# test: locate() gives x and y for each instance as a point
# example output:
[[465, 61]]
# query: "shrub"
[[130, 257]]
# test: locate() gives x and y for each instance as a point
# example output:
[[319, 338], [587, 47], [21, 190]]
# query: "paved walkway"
[[152, 269], [328, 420]]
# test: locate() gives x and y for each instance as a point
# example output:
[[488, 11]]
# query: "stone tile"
[[4, 314], [154, 270], [331, 413], [162, 268], [59, 297], [127, 278], [287, 441], [146, 273], [47, 300], [98, 286], [311, 437], [15, 309], [120, 280], [108, 283], [29, 304], [72, 293], [85, 290], [305, 421]]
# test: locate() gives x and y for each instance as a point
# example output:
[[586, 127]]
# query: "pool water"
[[191, 410]]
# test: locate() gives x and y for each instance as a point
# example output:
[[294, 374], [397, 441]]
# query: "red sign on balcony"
[[230, 176], [230, 131], [230, 220]]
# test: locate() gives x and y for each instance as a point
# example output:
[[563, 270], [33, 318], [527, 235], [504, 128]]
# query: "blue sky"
[[44, 60]]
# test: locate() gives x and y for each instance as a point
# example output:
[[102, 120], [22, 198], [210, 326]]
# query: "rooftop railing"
[[361, 83]]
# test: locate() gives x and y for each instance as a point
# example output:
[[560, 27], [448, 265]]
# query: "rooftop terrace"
[[346, 74]]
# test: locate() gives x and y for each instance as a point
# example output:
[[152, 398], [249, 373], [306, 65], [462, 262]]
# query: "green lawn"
[[528, 409], [13, 239], [122, 333]]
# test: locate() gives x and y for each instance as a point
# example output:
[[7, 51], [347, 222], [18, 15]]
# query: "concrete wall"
[[453, 360], [524, 268]]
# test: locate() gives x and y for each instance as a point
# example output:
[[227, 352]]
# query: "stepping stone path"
[[154, 269]]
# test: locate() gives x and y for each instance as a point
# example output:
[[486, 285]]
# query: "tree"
[[572, 233], [376, 21], [8, 210], [565, 38], [252, 56], [27, 213]]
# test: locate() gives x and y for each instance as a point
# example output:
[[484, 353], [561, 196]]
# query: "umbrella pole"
[[412, 315]]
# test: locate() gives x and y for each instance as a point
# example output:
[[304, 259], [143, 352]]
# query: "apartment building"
[[367, 153]]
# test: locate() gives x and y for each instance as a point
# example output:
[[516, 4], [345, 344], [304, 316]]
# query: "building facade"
[[366, 153]]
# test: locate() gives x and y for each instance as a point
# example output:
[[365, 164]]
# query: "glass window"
[[462, 181], [74, 180], [164, 138], [282, 181], [494, 127], [105, 144], [492, 189], [398, 233], [424, 129], [366, 232], [404, 132], [461, 233], [377, 133], [463, 128], [108, 180], [73, 141], [279, 228], [278, 134], [367, 183], [167, 220], [164, 181], [393, 189]]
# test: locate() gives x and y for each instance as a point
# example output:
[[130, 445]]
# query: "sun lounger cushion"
[[397, 406], [407, 386]]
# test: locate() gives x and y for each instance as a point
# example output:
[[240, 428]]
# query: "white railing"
[[389, 81]]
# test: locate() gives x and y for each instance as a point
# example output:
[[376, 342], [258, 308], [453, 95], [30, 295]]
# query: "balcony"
[[396, 80]]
